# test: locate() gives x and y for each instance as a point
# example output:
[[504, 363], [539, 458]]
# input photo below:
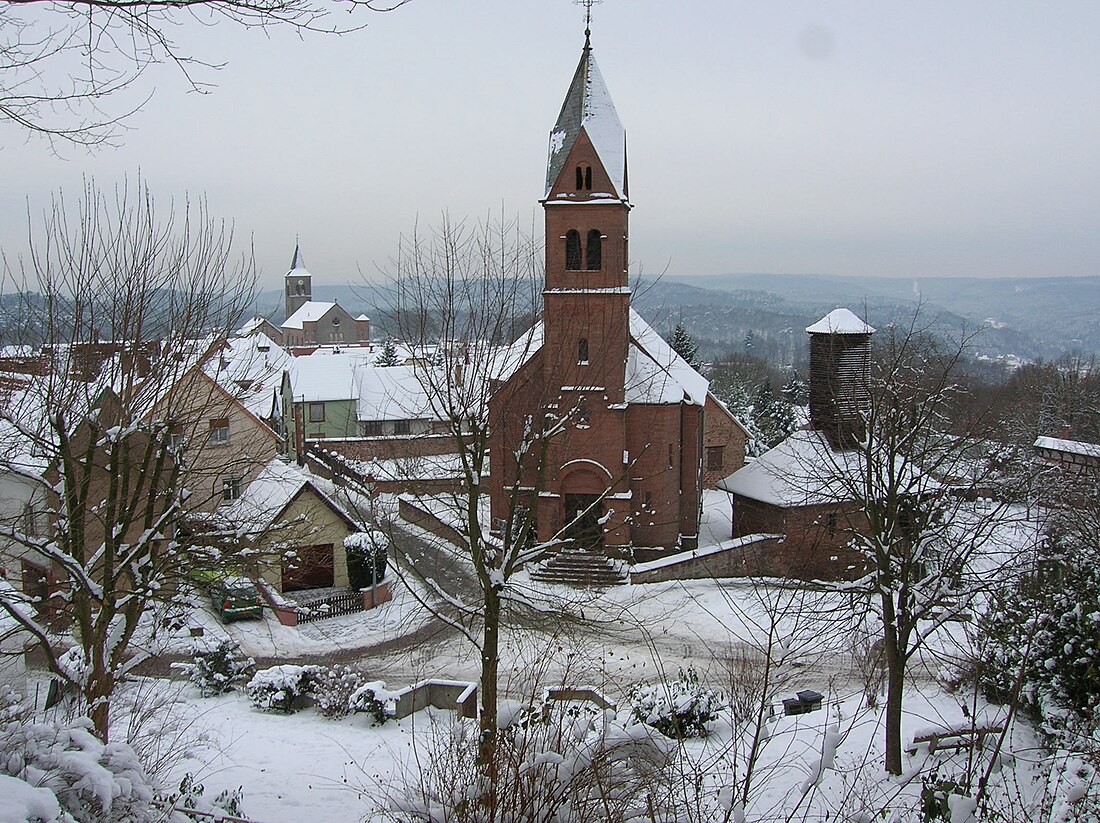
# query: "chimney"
[[840, 368]]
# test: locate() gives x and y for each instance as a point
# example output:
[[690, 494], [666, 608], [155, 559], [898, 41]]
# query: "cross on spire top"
[[588, 4]]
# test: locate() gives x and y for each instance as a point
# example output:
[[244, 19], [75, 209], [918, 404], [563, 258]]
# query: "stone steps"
[[573, 567]]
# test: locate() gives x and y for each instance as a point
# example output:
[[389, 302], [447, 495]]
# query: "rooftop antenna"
[[588, 4]]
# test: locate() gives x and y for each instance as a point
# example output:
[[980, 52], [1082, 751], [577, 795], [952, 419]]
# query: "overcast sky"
[[931, 138]]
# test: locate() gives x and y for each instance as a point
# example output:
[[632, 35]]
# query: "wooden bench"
[[954, 740]]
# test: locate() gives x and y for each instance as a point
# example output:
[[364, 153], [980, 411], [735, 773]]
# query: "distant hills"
[[1020, 318]]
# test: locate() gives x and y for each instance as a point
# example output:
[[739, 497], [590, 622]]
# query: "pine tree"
[[684, 346], [388, 356]]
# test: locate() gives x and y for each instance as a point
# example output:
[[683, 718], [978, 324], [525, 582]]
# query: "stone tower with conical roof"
[[299, 283], [840, 369]]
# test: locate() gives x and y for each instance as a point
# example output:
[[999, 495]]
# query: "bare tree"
[[64, 66], [127, 302], [921, 490], [465, 298]]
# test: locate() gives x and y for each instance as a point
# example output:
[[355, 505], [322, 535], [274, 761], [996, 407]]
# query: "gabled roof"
[[656, 373], [267, 497], [330, 376], [803, 470], [588, 107], [392, 393], [309, 312]]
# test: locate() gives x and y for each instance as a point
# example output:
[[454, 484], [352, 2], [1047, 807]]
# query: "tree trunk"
[[895, 684], [490, 659]]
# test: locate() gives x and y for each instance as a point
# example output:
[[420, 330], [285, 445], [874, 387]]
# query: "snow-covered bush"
[[89, 780], [281, 688], [218, 668], [1047, 628], [679, 708], [580, 767], [367, 555], [374, 699], [333, 689]]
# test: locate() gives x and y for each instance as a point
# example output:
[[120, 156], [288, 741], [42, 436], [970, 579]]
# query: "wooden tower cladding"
[[840, 371]]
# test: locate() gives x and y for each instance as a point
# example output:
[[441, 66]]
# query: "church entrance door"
[[583, 513]]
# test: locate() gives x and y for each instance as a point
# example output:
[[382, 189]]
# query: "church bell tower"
[[587, 296], [298, 284]]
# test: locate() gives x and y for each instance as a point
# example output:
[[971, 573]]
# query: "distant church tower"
[[299, 284]]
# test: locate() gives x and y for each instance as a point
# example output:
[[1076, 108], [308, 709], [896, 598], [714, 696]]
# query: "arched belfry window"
[[572, 250], [582, 350], [584, 178], [593, 252]]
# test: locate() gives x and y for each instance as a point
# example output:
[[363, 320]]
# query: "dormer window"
[[593, 251], [572, 250], [584, 178]]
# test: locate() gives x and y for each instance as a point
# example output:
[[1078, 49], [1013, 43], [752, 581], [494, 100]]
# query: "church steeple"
[[299, 283], [587, 116]]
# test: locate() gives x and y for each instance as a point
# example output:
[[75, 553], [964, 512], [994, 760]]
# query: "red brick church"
[[624, 473]]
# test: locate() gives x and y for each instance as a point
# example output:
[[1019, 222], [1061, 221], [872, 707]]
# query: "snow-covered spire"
[[588, 108], [297, 264]]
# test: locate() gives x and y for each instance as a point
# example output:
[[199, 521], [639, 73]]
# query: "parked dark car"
[[236, 597]]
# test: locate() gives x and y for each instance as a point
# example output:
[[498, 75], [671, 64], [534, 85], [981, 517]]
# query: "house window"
[[582, 350], [671, 455], [219, 431], [583, 415], [831, 523], [573, 250], [593, 251], [714, 458], [316, 412], [176, 437], [372, 428], [231, 488], [402, 426], [647, 504], [30, 520]]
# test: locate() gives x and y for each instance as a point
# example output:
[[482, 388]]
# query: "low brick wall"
[[412, 513], [743, 557], [372, 598]]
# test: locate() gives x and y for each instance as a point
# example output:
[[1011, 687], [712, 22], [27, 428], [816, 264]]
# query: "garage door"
[[310, 568]]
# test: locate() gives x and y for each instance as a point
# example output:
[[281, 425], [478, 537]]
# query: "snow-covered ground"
[[305, 767]]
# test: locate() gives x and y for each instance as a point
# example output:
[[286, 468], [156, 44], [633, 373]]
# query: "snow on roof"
[[252, 326], [588, 107], [655, 373], [1068, 446], [310, 311], [266, 496], [509, 359], [391, 393], [803, 470], [840, 321], [250, 369], [362, 317], [673, 380], [327, 376]]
